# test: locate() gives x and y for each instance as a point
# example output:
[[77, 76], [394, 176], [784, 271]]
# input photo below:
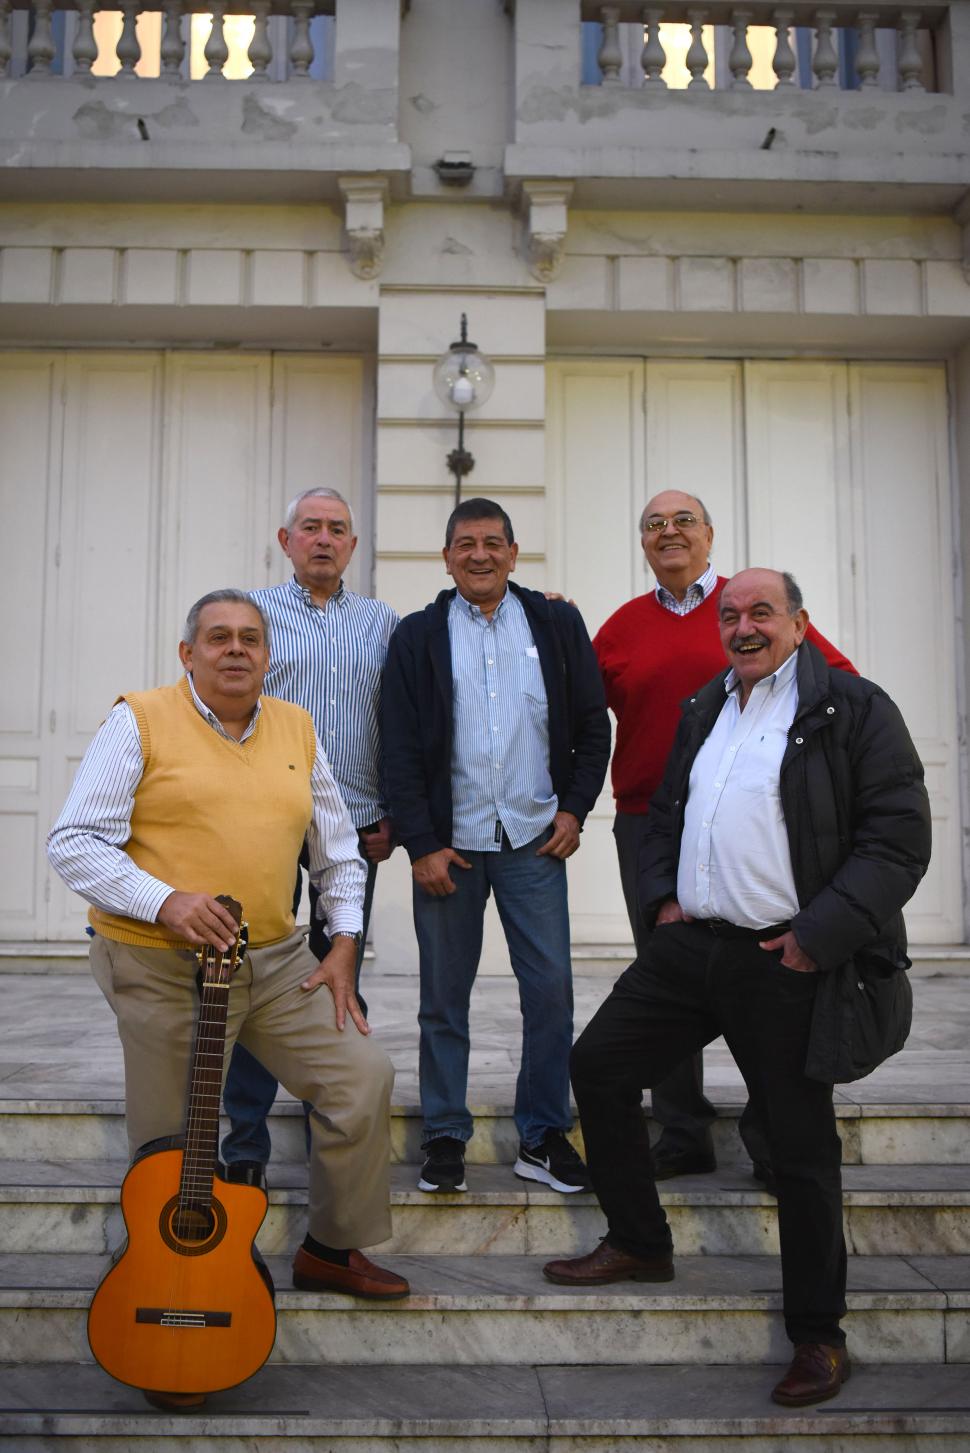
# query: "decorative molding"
[[961, 216], [364, 199], [546, 220]]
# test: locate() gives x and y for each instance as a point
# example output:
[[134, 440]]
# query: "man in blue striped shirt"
[[327, 656], [497, 740]]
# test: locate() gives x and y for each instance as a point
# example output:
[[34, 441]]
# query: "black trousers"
[[679, 1105], [687, 987]]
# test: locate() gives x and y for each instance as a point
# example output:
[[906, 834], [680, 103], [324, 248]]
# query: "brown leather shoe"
[[174, 1402], [360, 1279], [608, 1263], [817, 1372]]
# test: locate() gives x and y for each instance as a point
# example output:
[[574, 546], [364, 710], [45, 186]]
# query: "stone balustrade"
[[281, 46], [848, 43]]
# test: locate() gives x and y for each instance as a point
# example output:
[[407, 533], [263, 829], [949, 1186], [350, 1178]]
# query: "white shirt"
[[86, 843], [735, 862]]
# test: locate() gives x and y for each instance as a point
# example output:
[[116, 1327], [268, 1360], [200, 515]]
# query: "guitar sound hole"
[[192, 1230]]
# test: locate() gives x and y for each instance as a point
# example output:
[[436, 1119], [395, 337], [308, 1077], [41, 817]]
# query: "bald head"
[[678, 551]]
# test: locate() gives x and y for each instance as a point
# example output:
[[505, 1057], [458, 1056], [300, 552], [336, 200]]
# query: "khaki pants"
[[344, 1075]]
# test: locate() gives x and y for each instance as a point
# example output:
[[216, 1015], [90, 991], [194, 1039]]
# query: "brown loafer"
[[817, 1372], [608, 1263], [360, 1279], [174, 1402]]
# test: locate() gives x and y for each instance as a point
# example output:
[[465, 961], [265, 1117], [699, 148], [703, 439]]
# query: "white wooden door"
[[132, 483], [835, 471]]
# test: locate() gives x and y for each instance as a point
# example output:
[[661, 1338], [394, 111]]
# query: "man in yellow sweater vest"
[[200, 788]]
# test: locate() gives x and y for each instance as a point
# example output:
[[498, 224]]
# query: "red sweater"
[[651, 659]]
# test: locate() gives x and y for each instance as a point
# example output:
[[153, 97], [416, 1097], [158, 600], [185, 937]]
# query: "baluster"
[[697, 54], [910, 59], [740, 61], [301, 48], [867, 57], [216, 51], [784, 62], [128, 49], [40, 50], [85, 47], [653, 57], [825, 62], [172, 51], [260, 48], [609, 55], [6, 47]]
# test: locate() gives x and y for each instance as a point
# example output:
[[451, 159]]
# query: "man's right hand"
[[198, 918], [431, 871], [671, 912]]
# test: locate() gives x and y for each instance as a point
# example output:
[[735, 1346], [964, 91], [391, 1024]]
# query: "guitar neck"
[[205, 1094]]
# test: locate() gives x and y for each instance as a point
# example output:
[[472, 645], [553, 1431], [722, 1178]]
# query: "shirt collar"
[[701, 587], [473, 610], [339, 596], [777, 681], [211, 717]]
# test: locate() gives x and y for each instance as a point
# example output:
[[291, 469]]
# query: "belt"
[[722, 929]]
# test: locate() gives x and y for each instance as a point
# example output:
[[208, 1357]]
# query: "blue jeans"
[[530, 894], [250, 1089]]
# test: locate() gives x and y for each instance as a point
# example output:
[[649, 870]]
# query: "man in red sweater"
[[653, 652]]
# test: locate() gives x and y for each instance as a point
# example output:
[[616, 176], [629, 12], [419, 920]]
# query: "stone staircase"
[[486, 1354]]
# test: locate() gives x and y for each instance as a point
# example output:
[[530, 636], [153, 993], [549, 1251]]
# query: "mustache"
[[756, 640]]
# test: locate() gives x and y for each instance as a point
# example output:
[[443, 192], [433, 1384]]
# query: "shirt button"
[[491, 663], [492, 695]]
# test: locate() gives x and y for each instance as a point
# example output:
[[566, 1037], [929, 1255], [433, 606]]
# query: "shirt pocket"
[[531, 682]]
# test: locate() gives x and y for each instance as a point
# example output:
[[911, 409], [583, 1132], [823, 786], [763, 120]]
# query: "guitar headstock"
[[217, 966]]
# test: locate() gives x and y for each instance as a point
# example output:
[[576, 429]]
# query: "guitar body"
[[186, 1308]]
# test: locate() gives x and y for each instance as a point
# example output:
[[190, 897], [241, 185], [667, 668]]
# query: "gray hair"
[[697, 500], [289, 519], [793, 593], [239, 597]]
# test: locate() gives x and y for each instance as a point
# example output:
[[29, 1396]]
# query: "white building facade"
[[708, 248]]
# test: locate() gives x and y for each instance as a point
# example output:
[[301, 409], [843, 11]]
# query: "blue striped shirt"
[[328, 659], [500, 747]]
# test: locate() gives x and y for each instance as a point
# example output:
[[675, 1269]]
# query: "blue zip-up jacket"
[[418, 720]]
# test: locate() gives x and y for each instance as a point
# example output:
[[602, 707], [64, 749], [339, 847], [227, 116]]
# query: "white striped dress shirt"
[[500, 746], [328, 659], [86, 843], [694, 595]]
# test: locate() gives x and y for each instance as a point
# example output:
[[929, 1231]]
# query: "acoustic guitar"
[[188, 1307]]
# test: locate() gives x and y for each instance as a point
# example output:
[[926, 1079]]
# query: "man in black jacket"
[[791, 827], [496, 742]]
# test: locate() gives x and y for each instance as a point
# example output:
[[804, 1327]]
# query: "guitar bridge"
[[173, 1317]]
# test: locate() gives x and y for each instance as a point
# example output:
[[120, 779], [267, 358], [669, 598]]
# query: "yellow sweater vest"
[[218, 816]]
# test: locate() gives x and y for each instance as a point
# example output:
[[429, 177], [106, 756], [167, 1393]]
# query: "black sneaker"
[[444, 1168], [555, 1162]]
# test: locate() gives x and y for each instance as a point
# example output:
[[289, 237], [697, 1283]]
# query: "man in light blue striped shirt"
[[497, 741], [327, 656]]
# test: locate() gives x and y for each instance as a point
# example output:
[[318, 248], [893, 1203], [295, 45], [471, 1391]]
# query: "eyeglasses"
[[682, 520]]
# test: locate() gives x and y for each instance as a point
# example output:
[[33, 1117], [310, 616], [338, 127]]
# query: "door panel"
[[103, 639], [30, 427], [906, 637], [798, 498]]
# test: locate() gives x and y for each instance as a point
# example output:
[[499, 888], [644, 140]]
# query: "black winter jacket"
[[418, 720], [858, 823]]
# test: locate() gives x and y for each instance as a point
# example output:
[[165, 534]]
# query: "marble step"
[[893, 1129], [898, 1210], [520, 1409], [484, 1309]]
